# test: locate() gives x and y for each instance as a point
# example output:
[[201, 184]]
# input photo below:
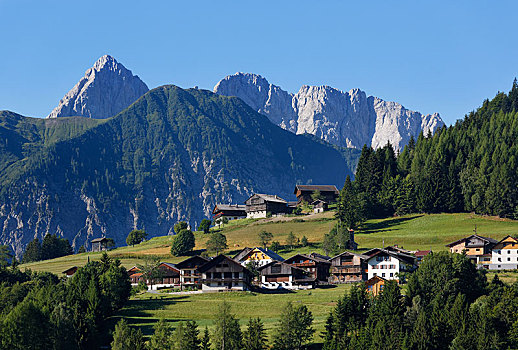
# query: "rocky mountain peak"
[[348, 119], [105, 90]]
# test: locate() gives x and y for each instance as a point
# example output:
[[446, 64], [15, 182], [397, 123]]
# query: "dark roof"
[[314, 258], [269, 197], [321, 188], [217, 260], [182, 264], [486, 239], [316, 255], [400, 256], [73, 268], [95, 240], [169, 265], [228, 207], [279, 262], [241, 253], [361, 256]]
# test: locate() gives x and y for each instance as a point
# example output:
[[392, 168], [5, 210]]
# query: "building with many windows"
[[504, 255], [388, 264]]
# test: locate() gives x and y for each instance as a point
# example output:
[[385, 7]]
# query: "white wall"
[[388, 269], [504, 259]]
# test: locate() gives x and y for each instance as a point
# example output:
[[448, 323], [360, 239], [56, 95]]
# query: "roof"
[[181, 264], [397, 255], [169, 265], [361, 256], [314, 258], [95, 240], [486, 239], [241, 253], [316, 255], [318, 201], [422, 252], [70, 269], [217, 260], [229, 207], [270, 253], [269, 197], [321, 188], [374, 279], [279, 262]]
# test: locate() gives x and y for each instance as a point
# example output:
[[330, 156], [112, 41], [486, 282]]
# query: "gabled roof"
[[361, 256], [169, 266], [318, 201], [321, 188], [374, 279], [506, 239], [241, 253], [229, 207], [70, 269], [270, 253], [280, 262], [485, 239], [183, 263], [400, 256], [269, 198], [314, 258], [219, 259], [95, 240], [321, 256], [422, 252]]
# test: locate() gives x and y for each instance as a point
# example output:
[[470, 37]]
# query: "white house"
[[388, 264], [504, 255]]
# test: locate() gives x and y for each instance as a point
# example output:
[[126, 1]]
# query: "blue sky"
[[444, 57]]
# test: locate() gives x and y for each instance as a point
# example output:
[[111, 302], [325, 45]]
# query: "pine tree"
[[227, 333], [205, 342], [294, 328], [161, 338], [255, 337]]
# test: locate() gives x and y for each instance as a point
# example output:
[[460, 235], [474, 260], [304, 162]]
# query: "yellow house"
[[260, 255]]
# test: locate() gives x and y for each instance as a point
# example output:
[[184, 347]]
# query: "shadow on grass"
[[138, 307], [385, 225]]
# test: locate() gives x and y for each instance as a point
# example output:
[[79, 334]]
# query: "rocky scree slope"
[[170, 156], [347, 119]]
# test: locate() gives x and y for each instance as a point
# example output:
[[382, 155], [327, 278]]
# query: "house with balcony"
[[315, 266], [278, 275], [504, 255], [477, 249], [388, 264], [348, 267], [224, 274], [190, 275], [261, 256]]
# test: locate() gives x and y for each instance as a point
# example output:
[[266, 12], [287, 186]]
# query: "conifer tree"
[[227, 333], [161, 338], [255, 337]]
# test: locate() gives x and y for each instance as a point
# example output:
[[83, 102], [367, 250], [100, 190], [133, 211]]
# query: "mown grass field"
[[146, 309], [411, 232]]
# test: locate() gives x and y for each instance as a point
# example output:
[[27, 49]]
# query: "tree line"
[[471, 166], [41, 311], [448, 305], [292, 332]]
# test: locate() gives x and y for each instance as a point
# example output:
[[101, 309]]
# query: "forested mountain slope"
[[170, 156], [471, 166]]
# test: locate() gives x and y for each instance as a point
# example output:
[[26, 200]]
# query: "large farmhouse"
[[229, 211], [316, 267], [348, 267], [328, 193], [388, 264], [476, 248], [279, 275], [261, 205], [189, 274], [224, 274]]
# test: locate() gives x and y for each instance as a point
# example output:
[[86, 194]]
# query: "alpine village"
[[246, 215]]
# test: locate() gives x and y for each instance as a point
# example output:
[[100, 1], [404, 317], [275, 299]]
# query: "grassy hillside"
[[412, 232]]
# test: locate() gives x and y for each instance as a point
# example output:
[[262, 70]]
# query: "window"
[[374, 274], [499, 259], [236, 274], [508, 252], [391, 274], [276, 269], [379, 258], [383, 274], [369, 288], [508, 259]]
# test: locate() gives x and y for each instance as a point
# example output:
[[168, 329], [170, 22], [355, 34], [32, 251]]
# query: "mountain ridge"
[[347, 119]]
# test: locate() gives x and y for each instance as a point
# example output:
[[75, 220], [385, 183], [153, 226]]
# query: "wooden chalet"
[[477, 248], [504, 255], [316, 267], [375, 285], [70, 271], [328, 193], [229, 211], [259, 255], [420, 254], [99, 244], [167, 276], [260, 205], [190, 276], [279, 275], [348, 267], [224, 274], [319, 206]]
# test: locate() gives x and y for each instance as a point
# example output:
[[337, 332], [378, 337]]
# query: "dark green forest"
[[468, 167]]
